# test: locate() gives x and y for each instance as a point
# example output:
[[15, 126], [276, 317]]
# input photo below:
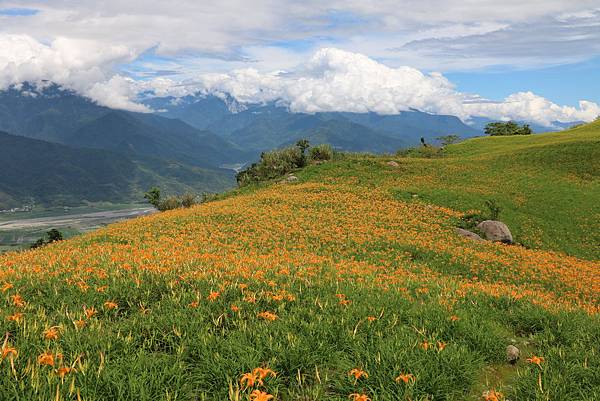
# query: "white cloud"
[[81, 65], [336, 80]]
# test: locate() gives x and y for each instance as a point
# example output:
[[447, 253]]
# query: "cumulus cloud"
[[337, 80], [81, 65]]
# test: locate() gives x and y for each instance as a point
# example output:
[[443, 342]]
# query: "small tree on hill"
[[507, 128], [303, 145], [448, 139], [153, 197]]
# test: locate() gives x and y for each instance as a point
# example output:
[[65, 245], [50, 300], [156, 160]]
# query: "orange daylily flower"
[[6, 287], [194, 304], [267, 316], [18, 301], [16, 317], [213, 296], [51, 333], [425, 345], [89, 312], [441, 345], [454, 318], [65, 370], [371, 318], [80, 323], [9, 352], [537, 360], [357, 373], [110, 305], [258, 395], [405, 378], [46, 359], [263, 373], [250, 379], [359, 397], [235, 308], [493, 395]]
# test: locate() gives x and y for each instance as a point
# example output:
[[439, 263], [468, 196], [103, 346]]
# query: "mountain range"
[[68, 149]]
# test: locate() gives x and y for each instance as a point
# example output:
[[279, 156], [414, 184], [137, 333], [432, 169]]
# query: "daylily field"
[[343, 286]]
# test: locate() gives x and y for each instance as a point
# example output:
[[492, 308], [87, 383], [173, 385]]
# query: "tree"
[[302, 144], [448, 139], [507, 128], [153, 197], [51, 236]]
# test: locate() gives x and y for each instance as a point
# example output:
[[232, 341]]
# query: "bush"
[[321, 152], [51, 236], [274, 164], [172, 202], [507, 128], [188, 200]]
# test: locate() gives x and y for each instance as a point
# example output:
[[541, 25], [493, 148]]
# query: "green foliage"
[[52, 235], [153, 196], [448, 139], [273, 164], [507, 128], [494, 209], [321, 152]]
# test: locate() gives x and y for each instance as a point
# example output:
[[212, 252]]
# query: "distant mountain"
[[265, 126], [56, 115], [54, 174]]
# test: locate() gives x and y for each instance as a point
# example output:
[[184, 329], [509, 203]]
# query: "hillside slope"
[[342, 285], [53, 174]]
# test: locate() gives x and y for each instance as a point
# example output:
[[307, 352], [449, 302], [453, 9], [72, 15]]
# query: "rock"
[[512, 354], [392, 163], [495, 231], [289, 178], [468, 234]]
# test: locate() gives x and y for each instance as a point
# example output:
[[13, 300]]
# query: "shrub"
[[172, 202], [188, 200], [494, 209], [51, 236], [153, 197], [321, 152], [507, 128], [273, 164]]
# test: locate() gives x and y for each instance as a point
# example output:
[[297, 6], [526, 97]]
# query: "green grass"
[[349, 227]]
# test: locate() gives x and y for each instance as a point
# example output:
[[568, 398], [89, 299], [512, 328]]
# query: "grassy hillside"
[[343, 284], [54, 174]]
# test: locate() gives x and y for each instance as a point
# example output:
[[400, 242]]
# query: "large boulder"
[[468, 234], [495, 231]]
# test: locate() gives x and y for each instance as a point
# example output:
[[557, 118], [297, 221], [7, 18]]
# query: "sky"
[[536, 60]]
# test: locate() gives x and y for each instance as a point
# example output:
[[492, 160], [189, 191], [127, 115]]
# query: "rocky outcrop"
[[495, 231]]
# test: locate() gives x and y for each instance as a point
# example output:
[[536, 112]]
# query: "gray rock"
[[468, 234], [495, 231], [512, 354], [392, 163], [290, 178]]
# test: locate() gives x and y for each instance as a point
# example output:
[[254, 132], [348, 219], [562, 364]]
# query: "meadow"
[[350, 284]]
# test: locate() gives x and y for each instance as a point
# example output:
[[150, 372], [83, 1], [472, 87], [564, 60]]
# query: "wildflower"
[[80, 323], [89, 312], [16, 317], [359, 397], [441, 345], [9, 352], [454, 318], [267, 316], [492, 395], [357, 373], [18, 301], [405, 378], [250, 379], [258, 395], [371, 318], [235, 308], [345, 302], [46, 359], [537, 360], [63, 371], [426, 345], [263, 373], [6, 287], [51, 333], [110, 305], [194, 304], [213, 296]]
